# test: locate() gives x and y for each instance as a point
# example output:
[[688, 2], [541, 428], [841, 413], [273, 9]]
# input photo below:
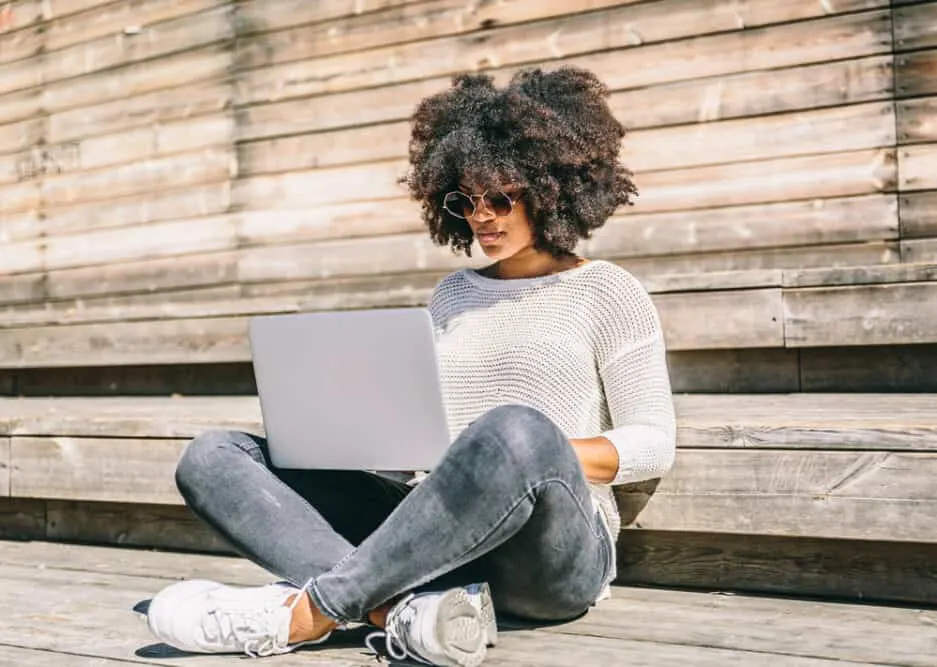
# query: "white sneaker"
[[201, 616], [442, 629], [480, 597]]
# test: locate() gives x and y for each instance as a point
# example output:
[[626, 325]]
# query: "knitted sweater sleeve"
[[633, 369]]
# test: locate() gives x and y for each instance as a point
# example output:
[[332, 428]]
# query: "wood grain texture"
[[264, 15], [917, 120], [111, 19], [166, 72], [916, 27], [734, 371], [902, 313], [919, 214], [22, 519], [154, 40], [919, 250], [898, 422], [915, 167], [67, 468], [539, 42], [898, 368], [780, 565], [732, 319], [21, 44], [19, 106], [860, 275], [916, 74], [4, 467]]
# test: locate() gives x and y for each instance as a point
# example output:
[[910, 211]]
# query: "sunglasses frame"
[[475, 199]]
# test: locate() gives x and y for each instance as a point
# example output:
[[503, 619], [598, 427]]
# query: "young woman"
[[556, 389]]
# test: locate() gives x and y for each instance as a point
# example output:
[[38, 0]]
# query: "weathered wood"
[[17, 137], [915, 167], [115, 279], [916, 74], [125, 244], [908, 368], [852, 254], [154, 40], [21, 44], [903, 313], [771, 564], [203, 166], [400, 23], [20, 75], [19, 106], [110, 20], [917, 120], [714, 320], [150, 207], [67, 468], [4, 467], [146, 110], [897, 422], [798, 43], [860, 275], [798, 223], [263, 15], [736, 371], [919, 214], [712, 281], [19, 15], [146, 380], [919, 250], [916, 27], [22, 519], [205, 64], [832, 130], [722, 97]]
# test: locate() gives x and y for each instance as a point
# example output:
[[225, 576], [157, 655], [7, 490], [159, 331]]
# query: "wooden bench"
[[812, 489], [764, 331]]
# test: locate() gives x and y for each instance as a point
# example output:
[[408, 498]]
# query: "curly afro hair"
[[551, 133]]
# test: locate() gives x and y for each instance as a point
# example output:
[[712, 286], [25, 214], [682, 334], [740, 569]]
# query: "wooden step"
[[814, 465], [879, 305]]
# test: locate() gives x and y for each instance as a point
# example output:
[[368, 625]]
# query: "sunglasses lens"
[[499, 203], [459, 204]]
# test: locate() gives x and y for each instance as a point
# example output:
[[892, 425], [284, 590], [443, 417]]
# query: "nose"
[[482, 212]]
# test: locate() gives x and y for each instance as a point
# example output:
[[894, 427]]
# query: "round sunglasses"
[[464, 206]]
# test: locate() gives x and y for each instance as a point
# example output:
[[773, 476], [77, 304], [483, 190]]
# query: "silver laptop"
[[351, 390]]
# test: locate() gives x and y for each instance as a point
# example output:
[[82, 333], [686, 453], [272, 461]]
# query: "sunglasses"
[[464, 206]]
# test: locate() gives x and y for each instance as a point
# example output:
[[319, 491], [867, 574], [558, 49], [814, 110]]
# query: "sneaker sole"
[[459, 630], [480, 595]]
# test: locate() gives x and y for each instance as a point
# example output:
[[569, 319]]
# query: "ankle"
[[308, 622], [378, 617]]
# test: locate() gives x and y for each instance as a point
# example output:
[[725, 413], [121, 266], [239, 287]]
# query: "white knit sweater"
[[583, 346]]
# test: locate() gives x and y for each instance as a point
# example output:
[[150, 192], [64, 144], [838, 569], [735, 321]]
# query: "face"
[[501, 234]]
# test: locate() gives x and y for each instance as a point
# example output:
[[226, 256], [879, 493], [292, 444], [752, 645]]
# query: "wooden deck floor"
[[69, 605]]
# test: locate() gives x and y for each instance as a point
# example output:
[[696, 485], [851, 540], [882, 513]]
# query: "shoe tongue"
[[283, 619]]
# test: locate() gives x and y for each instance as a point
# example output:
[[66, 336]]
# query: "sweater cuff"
[[644, 452]]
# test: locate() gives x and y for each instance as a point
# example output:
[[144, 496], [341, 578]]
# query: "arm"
[[598, 457]]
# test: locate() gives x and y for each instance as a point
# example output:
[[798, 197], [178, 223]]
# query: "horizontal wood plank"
[[896, 368], [20, 75], [919, 214], [22, 519], [120, 18], [166, 72], [21, 15], [860, 275], [150, 207], [834, 130], [854, 35], [916, 27], [917, 120], [772, 564], [915, 167], [24, 43], [264, 15], [23, 105], [733, 319], [68, 468], [896, 314], [152, 41], [916, 74], [919, 250]]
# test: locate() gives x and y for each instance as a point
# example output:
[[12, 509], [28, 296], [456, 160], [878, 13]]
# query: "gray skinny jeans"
[[507, 504]]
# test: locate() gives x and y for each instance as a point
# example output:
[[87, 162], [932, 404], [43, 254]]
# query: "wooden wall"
[[184, 151]]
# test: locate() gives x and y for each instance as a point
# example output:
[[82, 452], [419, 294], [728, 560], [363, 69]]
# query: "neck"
[[530, 263]]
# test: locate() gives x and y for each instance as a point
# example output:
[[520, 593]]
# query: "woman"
[[556, 388]]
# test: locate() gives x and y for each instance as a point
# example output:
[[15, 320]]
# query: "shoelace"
[[242, 626], [396, 632]]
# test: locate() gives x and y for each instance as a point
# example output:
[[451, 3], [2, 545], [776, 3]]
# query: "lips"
[[489, 237]]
